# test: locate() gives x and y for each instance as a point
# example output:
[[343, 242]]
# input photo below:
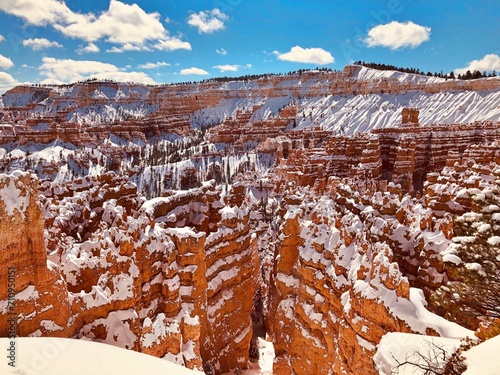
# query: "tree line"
[[466, 76]]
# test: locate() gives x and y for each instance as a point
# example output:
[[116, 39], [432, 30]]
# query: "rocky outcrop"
[[336, 291], [138, 275], [325, 235], [403, 156], [344, 264], [35, 286], [242, 111]]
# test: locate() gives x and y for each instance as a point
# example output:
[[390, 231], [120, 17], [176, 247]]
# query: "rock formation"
[[183, 221], [137, 275]]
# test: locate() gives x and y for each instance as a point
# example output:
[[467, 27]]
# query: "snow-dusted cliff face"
[[356, 99], [191, 222]]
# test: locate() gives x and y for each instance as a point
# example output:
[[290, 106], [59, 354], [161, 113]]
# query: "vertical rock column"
[[38, 288], [193, 292]]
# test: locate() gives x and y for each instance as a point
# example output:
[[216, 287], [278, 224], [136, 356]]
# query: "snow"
[[228, 213], [398, 347], [221, 277], [11, 193], [264, 366], [365, 344], [188, 350], [494, 240], [412, 311], [368, 74], [57, 356], [185, 232], [418, 317], [483, 359], [288, 280], [158, 331], [117, 325], [475, 267], [51, 326], [27, 294]]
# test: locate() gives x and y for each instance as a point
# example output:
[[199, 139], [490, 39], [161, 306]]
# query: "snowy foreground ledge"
[[482, 359], [56, 356]]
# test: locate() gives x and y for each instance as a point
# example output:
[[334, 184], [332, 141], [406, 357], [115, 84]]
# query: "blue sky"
[[55, 41]]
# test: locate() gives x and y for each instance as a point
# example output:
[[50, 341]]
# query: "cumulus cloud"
[[208, 21], [227, 68], [2, 38], [127, 47], [221, 51], [6, 78], [122, 24], [151, 65], [67, 70], [7, 82], [193, 71], [39, 13], [5, 62], [395, 35], [172, 44], [306, 55], [38, 44], [232, 68], [488, 63], [89, 48]]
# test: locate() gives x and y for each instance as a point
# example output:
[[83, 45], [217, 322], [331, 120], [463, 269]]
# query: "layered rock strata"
[[138, 275]]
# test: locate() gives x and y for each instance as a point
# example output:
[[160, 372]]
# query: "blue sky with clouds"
[[56, 41]]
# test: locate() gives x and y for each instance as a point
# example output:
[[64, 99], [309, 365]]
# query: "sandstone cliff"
[[183, 221], [133, 274]]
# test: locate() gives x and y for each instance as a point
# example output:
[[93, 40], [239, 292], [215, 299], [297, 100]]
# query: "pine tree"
[[474, 292]]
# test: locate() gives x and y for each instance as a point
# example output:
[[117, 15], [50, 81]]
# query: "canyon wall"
[[353, 263], [139, 275], [285, 220], [353, 100]]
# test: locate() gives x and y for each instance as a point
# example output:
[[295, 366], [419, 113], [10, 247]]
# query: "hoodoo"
[[322, 213]]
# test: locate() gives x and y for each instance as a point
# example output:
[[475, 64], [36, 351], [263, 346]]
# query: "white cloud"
[[128, 26], [5, 62], [193, 71], [306, 55], [67, 70], [121, 23], [6, 78], [2, 38], [127, 47], [38, 44], [208, 21], [227, 68], [231, 68], [39, 13], [7, 82], [396, 35], [221, 51], [172, 44], [89, 48], [156, 65], [488, 63]]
